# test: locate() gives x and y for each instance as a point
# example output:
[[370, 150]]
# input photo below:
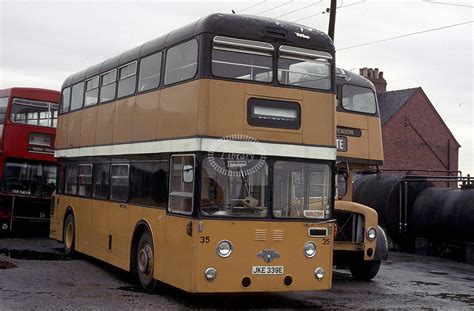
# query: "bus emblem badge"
[[268, 255]]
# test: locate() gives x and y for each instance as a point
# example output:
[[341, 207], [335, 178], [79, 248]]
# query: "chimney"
[[376, 77]]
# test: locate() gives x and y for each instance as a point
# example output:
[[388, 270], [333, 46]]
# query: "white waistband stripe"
[[206, 145]]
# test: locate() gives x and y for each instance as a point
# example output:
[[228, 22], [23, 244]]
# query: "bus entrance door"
[[179, 223]]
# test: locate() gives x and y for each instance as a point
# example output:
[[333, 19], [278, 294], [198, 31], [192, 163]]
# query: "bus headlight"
[[224, 248], [210, 274], [371, 234], [309, 249], [319, 273]]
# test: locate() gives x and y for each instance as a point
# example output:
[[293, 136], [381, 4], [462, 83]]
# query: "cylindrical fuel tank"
[[382, 193], [444, 215]]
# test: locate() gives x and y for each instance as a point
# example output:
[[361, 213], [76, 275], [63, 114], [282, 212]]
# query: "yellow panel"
[[375, 138], [269, 135], [231, 270], [369, 145], [89, 124], [123, 122], [289, 238], [179, 253], [118, 221], [100, 224], [318, 118], [75, 127], [146, 116], [62, 132], [226, 113], [177, 116], [105, 124]]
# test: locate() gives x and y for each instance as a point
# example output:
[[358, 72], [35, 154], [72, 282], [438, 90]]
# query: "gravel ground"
[[404, 281]]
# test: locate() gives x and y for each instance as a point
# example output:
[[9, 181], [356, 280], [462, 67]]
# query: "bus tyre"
[[69, 235], [365, 270], [145, 262]]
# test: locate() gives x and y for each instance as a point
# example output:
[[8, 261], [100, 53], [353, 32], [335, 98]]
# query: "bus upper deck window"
[[107, 86], [304, 67], [66, 100], [242, 59], [77, 96], [92, 91], [149, 76], [3, 108], [181, 62], [32, 112], [127, 79], [358, 99]]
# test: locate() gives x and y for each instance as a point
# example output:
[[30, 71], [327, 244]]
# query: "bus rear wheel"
[[365, 270], [145, 262], [69, 232]]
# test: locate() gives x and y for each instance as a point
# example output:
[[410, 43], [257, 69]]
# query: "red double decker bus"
[[28, 119]]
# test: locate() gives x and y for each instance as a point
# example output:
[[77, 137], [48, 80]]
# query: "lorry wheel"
[[365, 270]]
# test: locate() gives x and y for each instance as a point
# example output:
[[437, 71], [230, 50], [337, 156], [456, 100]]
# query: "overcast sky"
[[43, 42]]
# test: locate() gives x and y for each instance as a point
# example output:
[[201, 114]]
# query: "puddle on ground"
[[421, 283], [32, 255], [6, 265], [439, 272]]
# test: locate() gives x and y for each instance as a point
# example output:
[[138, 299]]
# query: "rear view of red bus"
[[28, 119]]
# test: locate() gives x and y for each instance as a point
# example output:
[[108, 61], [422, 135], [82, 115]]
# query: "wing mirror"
[[188, 174]]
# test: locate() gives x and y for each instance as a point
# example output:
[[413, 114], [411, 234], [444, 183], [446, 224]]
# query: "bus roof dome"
[[234, 25]]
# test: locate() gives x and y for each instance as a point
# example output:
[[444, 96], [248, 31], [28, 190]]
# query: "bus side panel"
[[56, 220], [123, 122], [105, 124], [82, 218], [203, 107], [99, 228], [375, 139], [179, 261], [226, 115], [318, 116], [89, 125], [177, 116], [146, 116], [62, 131], [119, 242], [75, 127]]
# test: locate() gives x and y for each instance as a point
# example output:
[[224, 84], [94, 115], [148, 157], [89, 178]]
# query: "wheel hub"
[[145, 260]]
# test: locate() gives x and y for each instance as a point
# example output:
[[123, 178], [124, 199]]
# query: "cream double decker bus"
[[205, 158], [360, 244]]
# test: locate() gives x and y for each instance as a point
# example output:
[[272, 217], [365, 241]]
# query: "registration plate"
[[267, 270]]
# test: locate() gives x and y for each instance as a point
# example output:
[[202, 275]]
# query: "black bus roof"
[[347, 77], [233, 25]]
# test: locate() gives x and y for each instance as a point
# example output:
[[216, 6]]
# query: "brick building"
[[415, 136]]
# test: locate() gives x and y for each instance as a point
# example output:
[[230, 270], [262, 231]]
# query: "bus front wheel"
[[145, 262], [69, 235], [365, 270]]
